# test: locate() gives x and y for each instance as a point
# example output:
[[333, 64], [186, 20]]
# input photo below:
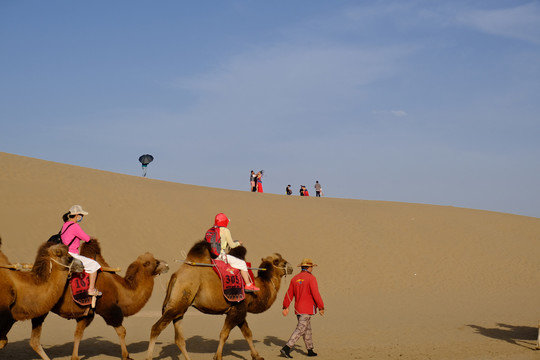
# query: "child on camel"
[[225, 238]]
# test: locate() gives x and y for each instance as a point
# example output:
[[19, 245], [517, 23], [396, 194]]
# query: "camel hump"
[[200, 251], [239, 252]]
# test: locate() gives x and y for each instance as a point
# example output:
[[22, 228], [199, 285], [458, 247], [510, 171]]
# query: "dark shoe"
[[310, 352], [286, 352]]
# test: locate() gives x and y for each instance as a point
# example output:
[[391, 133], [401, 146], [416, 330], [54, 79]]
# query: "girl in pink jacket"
[[72, 235]]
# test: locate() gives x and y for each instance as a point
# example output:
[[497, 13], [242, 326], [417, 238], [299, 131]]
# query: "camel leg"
[[82, 323], [121, 331], [246, 331], [179, 337], [234, 317], [6, 322], [173, 310], [157, 328], [35, 338]]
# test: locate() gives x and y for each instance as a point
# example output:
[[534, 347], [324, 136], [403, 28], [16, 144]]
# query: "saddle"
[[232, 283], [80, 284]]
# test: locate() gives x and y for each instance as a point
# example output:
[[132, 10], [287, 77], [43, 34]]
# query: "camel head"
[[54, 255], [273, 263], [150, 265]]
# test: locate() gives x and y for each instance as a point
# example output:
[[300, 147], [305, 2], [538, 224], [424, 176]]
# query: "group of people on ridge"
[[303, 288], [255, 181], [304, 191]]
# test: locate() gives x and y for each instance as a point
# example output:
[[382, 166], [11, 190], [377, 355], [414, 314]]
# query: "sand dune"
[[399, 280]]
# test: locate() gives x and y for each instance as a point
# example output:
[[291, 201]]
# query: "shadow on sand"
[[89, 348], [524, 336], [95, 347], [200, 345], [279, 343]]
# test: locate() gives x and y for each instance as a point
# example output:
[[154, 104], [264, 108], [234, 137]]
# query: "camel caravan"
[[58, 281]]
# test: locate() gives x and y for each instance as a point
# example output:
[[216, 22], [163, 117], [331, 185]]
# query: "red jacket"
[[304, 289]]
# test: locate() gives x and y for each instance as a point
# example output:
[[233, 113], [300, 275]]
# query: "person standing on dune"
[[252, 180], [318, 189], [305, 292], [259, 181]]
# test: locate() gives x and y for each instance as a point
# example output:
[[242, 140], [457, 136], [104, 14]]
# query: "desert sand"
[[399, 280]]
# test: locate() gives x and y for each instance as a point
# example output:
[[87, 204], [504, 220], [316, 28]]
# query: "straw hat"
[[307, 262], [77, 210]]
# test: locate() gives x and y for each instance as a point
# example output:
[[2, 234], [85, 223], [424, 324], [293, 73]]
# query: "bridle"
[[69, 267], [284, 268]]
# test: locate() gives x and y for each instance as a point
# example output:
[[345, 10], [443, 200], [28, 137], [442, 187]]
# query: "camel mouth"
[[288, 268], [162, 267], [76, 266]]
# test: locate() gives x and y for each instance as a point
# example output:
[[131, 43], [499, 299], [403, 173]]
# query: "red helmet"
[[221, 220]]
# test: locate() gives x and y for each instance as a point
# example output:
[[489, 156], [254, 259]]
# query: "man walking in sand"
[[305, 292]]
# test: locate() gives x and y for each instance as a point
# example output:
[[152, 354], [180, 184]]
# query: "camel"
[[30, 294], [200, 287], [122, 296]]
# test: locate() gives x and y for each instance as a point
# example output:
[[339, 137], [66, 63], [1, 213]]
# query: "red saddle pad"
[[232, 283], [79, 283]]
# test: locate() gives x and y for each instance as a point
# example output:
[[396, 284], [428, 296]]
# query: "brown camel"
[[30, 294], [200, 287], [122, 296]]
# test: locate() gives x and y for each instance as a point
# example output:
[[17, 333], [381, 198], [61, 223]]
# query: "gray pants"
[[303, 329]]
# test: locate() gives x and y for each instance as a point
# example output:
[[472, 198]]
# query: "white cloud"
[[286, 84], [521, 22], [396, 113]]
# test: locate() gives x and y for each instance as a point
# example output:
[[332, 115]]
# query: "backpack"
[[213, 238], [57, 238]]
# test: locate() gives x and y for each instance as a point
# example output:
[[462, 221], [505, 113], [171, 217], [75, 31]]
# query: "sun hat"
[[307, 262], [77, 210]]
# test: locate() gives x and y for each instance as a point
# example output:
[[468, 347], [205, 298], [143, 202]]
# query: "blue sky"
[[418, 101]]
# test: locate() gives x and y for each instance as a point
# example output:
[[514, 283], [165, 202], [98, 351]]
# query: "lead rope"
[[284, 268], [161, 284], [59, 263]]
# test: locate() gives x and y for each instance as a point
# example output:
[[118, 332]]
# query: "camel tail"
[[170, 286]]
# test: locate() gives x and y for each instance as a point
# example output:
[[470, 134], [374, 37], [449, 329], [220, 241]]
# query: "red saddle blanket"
[[79, 283], [232, 283]]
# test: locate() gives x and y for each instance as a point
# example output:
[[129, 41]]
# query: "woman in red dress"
[[259, 181]]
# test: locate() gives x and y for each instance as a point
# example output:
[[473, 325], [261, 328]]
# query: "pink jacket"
[[304, 289], [76, 232]]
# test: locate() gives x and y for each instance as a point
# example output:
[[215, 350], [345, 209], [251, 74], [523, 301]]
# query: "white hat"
[[77, 210]]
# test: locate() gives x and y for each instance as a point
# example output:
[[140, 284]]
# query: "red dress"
[[259, 185]]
